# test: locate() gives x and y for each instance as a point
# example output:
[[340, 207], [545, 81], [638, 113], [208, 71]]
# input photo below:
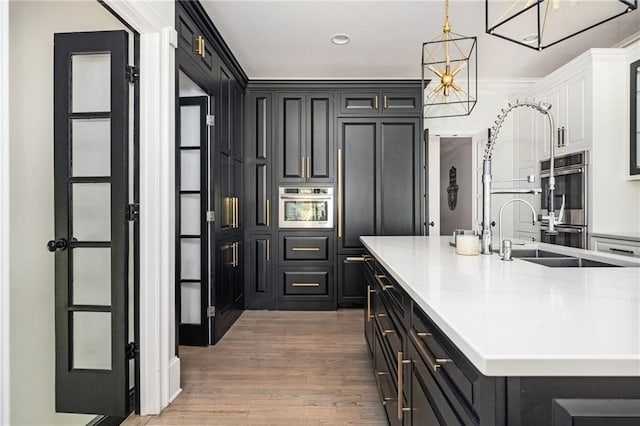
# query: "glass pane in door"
[[190, 214], [190, 125], [190, 262], [91, 147], [91, 211], [190, 302], [91, 340], [91, 276], [91, 82], [190, 170]]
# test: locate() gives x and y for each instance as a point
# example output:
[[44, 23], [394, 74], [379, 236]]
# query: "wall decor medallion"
[[452, 189]]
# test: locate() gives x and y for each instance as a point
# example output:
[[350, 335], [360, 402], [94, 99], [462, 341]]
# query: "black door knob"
[[57, 245], [432, 223]]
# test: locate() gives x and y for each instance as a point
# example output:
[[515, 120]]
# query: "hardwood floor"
[[279, 368]]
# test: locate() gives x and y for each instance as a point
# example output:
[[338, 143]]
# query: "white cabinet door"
[[575, 137]]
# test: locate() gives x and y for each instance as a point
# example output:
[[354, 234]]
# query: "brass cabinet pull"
[[268, 250], [387, 331], [401, 363], [340, 193], [234, 224], [375, 102], [378, 374], [309, 167], [383, 285], [237, 212], [305, 249], [268, 212], [434, 363], [236, 257], [384, 103], [355, 259], [305, 284], [368, 303], [422, 334], [302, 162], [381, 315], [199, 46]]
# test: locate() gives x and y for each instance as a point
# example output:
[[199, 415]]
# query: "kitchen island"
[[502, 342]]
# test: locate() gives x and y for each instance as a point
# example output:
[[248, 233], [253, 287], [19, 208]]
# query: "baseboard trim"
[[174, 379]]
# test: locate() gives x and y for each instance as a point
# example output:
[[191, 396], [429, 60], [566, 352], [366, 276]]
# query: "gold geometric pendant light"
[[538, 24], [449, 73]]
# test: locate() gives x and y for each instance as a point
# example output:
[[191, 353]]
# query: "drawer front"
[[430, 406], [391, 292], [365, 103], [624, 248], [386, 379], [401, 102], [306, 283], [426, 335], [387, 324], [306, 248]]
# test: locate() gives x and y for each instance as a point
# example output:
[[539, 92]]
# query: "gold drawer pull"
[[379, 278], [380, 315], [422, 334], [434, 363], [401, 363], [369, 303], [305, 284], [355, 259], [305, 249], [388, 331]]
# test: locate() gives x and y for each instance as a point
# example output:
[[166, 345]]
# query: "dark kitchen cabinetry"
[[229, 294], [259, 273], [204, 65], [379, 190], [416, 364], [306, 270], [387, 102], [305, 137]]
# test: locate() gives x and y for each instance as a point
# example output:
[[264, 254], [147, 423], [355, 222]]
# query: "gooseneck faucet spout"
[[487, 234]]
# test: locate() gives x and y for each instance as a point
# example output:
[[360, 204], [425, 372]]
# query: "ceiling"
[[291, 39]]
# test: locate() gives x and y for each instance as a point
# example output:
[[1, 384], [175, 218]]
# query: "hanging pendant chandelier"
[[539, 24], [449, 73]]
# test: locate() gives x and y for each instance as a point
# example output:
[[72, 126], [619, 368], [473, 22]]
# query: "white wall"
[[32, 25], [458, 153]]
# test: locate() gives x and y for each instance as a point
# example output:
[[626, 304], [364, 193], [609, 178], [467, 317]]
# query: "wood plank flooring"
[[279, 368]]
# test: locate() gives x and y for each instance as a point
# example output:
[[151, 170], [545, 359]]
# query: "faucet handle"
[[506, 250]]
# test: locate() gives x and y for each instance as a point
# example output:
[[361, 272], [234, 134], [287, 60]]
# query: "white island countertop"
[[519, 318]]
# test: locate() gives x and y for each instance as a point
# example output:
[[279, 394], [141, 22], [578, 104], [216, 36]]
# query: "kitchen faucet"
[[503, 245], [487, 234]]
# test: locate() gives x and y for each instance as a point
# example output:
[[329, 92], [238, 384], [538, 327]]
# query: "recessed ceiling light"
[[340, 39], [530, 39]]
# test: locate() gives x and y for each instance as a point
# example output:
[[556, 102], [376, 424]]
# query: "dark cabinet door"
[[357, 158], [224, 111], [401, 103], [290, 138], [229, 300], [259, 132], [319, 143], [351, 281], [360, 103], [259, 289], [399, 180], [305, 137]]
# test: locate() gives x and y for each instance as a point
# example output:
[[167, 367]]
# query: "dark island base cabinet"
[[415, 363], [351, 281]]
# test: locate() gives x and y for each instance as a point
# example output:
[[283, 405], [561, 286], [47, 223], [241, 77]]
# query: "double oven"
[[570, 199]]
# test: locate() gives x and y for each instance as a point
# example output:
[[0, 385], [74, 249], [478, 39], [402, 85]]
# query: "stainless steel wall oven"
[[305, 207], [570, 200]]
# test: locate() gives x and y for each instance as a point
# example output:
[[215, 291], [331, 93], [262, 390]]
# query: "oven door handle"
[[304, 197], [563, 172], [569, 230]]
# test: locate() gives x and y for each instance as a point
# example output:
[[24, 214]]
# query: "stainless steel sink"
[[568, 262], [535, 253]]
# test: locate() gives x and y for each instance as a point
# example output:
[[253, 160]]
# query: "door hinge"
[[132, 74], [211, 311], [211, 216], [211, 120], [133, 212], [131, 350]]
